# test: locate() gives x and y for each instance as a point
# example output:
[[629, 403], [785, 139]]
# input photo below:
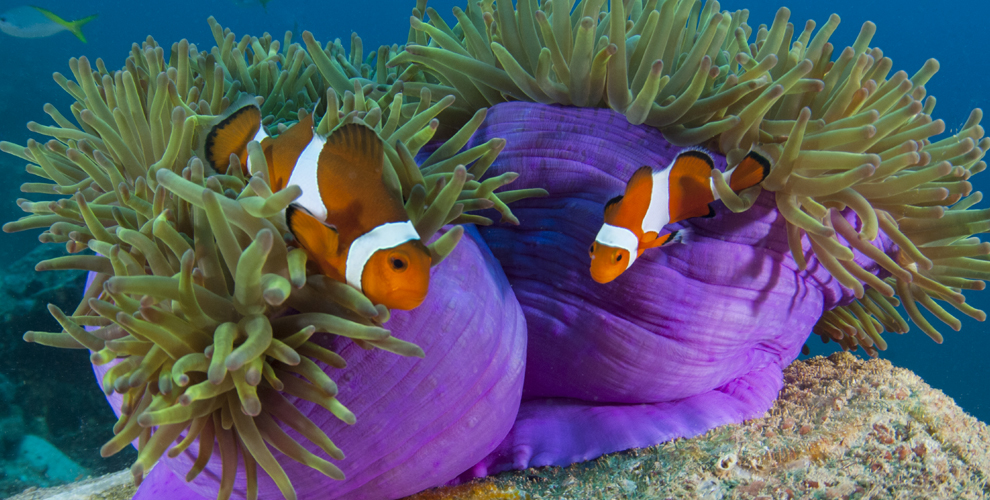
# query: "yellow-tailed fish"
[[28, 21]]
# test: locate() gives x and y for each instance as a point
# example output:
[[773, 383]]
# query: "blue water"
[[908, 31]]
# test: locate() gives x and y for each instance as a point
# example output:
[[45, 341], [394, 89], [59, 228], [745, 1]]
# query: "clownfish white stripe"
[[658, 214], [260, 136], [304, 176], [388, 235], [619, 237]]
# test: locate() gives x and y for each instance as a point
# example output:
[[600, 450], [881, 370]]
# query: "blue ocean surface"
[[31, 376]]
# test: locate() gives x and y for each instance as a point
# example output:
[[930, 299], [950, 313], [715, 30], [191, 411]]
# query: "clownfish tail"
[[749, 172]]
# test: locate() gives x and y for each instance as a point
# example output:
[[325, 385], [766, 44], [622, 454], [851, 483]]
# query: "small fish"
[[635, 221], [34, 22], [350, 222]]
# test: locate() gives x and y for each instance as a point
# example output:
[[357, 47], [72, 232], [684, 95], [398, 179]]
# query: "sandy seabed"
[[843, 428]]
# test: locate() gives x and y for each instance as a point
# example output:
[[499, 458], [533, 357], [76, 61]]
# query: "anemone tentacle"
[[203, 317], [842, 131]]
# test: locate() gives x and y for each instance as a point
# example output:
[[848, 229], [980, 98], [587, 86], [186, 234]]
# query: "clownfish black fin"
[[710, 214], [751, 171], [231, 133], [612, 204], [696, 154]]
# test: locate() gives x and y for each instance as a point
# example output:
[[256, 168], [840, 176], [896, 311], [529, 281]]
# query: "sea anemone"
[[206, 328], [863, 210]]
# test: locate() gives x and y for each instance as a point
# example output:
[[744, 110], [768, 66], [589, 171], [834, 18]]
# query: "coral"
[[477, 490], [198, 314], [843, 133]]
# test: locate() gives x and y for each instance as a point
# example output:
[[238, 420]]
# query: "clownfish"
[[352, 225], [635, 221]]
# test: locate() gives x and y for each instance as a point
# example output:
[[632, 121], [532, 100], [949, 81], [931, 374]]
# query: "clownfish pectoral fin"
[[749, 172], [230, 134], [665, 239], [654, 240], [319, 239], [690, 186], [676, 237]]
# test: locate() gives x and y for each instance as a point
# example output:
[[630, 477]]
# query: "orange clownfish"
[[635, 221], [351, 224]]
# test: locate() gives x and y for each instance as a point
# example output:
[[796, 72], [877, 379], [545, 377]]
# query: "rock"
[[11, 429], [115, 486], [841, 428], [41, 456], [25, 293]]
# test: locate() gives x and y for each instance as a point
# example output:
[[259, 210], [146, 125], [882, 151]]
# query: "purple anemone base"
[[692, 336], [420, 422]]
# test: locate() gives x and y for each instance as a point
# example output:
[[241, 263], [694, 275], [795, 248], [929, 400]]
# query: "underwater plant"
[[208, 331], [862, 210]]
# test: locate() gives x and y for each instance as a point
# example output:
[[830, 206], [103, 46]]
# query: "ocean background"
[[51, 393]]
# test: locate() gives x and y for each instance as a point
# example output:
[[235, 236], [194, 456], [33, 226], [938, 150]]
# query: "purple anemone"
[[420, 422], [692, 336]]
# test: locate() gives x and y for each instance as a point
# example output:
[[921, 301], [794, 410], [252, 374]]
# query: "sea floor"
[[843, 428]]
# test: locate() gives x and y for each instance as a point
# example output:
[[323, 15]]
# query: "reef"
[[843, 427], [221, 350]]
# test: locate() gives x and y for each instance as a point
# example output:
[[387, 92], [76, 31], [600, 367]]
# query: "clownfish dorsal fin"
[[690, 186], [314, 236], [238, 125], [641, 180], [611, 206], [285, 151], [635, 201], [749, 172], [351, 180], [356, 144]]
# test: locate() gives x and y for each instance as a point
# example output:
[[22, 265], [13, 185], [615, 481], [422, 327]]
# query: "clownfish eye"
[[591, 249], [398, 264], [618, 256]]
